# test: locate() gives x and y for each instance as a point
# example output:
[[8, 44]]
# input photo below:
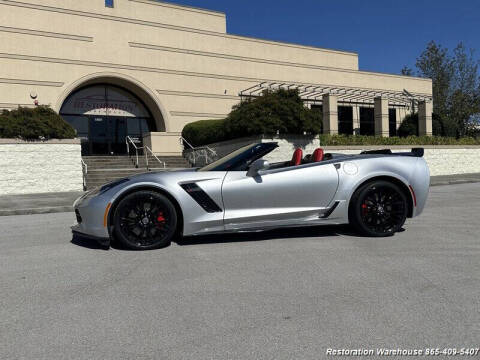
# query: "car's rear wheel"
[[145, 220], [378, 208]]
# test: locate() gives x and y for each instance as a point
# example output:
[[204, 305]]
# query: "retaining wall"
[[40, 167]]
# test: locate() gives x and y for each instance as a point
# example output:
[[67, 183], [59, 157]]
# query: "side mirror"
[[256, 166]]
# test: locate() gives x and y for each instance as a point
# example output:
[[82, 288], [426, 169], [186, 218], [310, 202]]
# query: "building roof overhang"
[[312, 93]]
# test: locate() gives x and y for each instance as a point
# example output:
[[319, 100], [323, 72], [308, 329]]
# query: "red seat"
[[318, 155], [297, 157]]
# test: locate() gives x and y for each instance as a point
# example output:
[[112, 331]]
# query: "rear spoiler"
[[416, 152]]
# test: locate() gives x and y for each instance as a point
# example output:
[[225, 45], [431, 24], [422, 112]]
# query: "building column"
[[356, 119], [425, 109], [330, 114], [381, 117]]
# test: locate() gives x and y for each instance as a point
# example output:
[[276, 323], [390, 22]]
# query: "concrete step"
[[110, 166], [115, 166], [112, 174], [107, 161], [167, 165], [112, 161], [106, 156], [86, 159], [169, 161]]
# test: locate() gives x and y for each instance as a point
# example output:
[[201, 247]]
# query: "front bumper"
[[100, 240], [90, 210]]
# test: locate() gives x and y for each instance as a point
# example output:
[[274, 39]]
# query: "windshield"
[[240, 159]]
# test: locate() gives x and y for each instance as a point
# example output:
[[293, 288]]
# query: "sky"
[[387, 34]]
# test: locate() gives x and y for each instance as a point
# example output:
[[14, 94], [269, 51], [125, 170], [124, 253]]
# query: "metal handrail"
[[84, 174], [155, 156], [128, 140], [184, 141]]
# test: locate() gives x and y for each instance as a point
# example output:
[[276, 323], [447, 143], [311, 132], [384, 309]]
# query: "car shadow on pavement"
[[274, 234]]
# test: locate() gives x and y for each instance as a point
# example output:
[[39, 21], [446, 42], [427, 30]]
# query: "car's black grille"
[[77, 214], [201, 197]]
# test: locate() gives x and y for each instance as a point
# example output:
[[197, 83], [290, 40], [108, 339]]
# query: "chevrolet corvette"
[[374, 191]]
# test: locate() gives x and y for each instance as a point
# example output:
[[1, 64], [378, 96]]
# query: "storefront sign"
[[105, 101]]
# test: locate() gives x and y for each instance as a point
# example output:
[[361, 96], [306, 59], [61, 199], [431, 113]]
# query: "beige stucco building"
[[142, 66]]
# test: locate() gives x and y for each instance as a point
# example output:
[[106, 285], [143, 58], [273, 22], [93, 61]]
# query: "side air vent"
[[330, 210], [201, 197], [79, 217]]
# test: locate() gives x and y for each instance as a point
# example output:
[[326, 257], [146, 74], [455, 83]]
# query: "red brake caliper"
[[160, 218], [364, 209]]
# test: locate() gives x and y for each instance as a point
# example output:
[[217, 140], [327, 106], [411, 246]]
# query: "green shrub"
[[32, 124], [409, 126], [205, 132], [440, 127], [346, 140], [280, 111]]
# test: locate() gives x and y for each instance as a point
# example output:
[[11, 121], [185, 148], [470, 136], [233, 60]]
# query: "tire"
[[145, 220], [378, 208]]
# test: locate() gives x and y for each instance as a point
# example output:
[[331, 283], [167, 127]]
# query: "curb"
[[454, 182], [32, 211]]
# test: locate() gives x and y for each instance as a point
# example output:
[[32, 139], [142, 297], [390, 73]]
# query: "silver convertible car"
[[374, 191]]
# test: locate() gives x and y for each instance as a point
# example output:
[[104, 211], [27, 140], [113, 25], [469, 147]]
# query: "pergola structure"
[[330, 97]]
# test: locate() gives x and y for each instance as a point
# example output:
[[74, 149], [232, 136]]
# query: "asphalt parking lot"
[[287, 294]]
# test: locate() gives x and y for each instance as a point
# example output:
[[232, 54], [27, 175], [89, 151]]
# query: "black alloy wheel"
[[145, 220], [378, 208]]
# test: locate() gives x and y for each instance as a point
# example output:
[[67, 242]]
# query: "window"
[[367, 121], [392, 122], [345, 120], [109, 3]]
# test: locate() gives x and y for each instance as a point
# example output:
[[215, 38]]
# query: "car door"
[[286, 196]]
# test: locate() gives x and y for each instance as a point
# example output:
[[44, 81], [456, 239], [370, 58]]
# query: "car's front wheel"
[[145, 220], [378, 208]]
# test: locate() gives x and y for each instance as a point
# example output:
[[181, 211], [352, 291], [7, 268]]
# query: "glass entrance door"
[[98, 135], [107, 135], [117, 130]]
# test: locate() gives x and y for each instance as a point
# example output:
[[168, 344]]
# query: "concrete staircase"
[[103, 169]]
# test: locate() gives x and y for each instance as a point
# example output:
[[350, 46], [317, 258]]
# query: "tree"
[[435, 63], [456, 84], [406, 71], [464, 101]]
